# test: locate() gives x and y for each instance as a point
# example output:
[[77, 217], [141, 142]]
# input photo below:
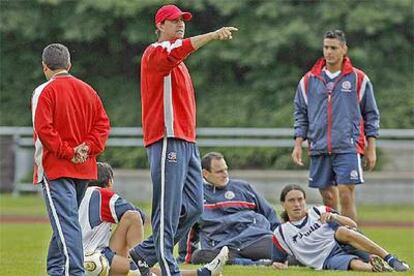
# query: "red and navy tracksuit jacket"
[[167, 93], [235, 216], [335, 116]]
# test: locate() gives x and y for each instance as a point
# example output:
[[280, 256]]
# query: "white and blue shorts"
[[330, 170]]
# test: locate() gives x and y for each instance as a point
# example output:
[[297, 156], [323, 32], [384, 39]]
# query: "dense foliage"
[[249, 81]]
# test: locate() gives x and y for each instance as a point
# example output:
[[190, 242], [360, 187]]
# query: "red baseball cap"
[[171, 12]]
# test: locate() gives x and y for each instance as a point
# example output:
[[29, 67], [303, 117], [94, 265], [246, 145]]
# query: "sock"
[[109, 254], [203, 271], [389, 259]]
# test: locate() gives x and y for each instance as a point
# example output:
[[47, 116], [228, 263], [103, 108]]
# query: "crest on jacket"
[[346, 86], [229, 195]]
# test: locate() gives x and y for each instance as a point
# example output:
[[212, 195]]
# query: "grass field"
[[23, 246]]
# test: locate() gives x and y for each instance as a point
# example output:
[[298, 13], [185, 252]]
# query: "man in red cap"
[[168, 120]]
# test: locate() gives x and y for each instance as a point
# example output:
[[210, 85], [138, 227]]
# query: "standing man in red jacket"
[[168, 119], [70, 128]]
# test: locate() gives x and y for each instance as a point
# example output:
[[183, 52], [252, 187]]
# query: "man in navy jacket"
[[235, 215], [336, 111]]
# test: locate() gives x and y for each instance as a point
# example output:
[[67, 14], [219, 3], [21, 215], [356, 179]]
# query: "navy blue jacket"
[[235, 215], [335, 115]]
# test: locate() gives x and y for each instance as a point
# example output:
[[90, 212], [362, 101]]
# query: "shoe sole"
[[379, 265]]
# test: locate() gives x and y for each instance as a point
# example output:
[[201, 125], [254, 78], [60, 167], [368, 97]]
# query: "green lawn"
[[23, 247], [32, 205]]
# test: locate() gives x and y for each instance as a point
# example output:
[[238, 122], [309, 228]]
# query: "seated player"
[[100, 209], [106, 253], [235, 215], [314, 237]]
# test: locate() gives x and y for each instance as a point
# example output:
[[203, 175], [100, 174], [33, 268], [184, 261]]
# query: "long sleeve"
[[98, 135], [278, 253], [369, 110], [166, 55], [264, 208], [44, 128], [301, 111]]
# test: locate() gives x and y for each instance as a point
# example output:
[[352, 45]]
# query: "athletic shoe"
[[379, 265], [216, 266], [142, 265], [398, 265], [96, 264]]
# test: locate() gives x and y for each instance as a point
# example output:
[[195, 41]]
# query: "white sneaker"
[[216, 266], [96, 264]]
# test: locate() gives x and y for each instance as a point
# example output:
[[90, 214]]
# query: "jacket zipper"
[[329, 134], [330, 110]]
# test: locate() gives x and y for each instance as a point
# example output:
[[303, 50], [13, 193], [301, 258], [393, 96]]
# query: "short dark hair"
[[285, 191], [206, 160], [336, 34], [105, 174], [56, 56]]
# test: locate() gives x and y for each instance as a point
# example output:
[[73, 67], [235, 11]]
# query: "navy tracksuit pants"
[[63, 197], [177, 200]]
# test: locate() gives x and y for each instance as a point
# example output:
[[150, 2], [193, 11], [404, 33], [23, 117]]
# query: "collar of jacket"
[[215, 187], [320, 64]]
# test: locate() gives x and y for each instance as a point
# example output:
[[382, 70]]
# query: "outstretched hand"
[[225, 33]]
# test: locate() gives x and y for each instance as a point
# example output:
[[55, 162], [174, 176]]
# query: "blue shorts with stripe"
[[329, 170]]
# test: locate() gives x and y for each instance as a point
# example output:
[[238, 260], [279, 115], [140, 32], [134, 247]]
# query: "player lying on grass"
[[314, 236], [234, 215], [106, 253]]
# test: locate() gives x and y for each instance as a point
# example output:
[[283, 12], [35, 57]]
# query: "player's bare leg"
[[330, 196], [347, 201], [359, 265], [359, 241], [128, 233], [119, 266]]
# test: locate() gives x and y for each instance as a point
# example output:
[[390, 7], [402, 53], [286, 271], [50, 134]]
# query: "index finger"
[[232, 29]]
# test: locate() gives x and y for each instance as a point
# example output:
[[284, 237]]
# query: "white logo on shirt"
[[346, 86], [229, 195]]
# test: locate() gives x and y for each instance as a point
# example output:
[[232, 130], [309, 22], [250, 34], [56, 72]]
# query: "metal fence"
[[221, 137], [22, 141]]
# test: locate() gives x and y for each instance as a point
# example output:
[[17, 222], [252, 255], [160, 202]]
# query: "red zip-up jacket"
[[167, 93], [67, 112]]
